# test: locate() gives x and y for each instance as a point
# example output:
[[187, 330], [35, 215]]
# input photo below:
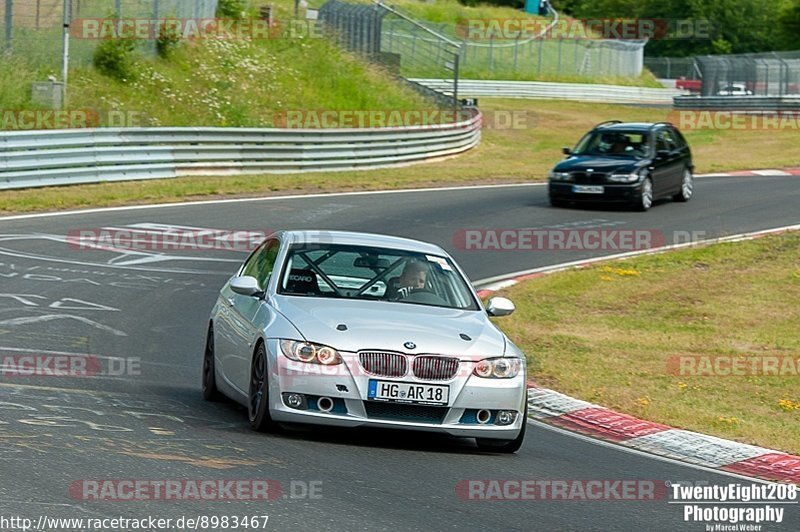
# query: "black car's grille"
[[588, 178], [433, 368], [400, 412], [383, 364]]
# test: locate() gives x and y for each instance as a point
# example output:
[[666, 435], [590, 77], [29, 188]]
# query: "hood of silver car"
[[390, 326]]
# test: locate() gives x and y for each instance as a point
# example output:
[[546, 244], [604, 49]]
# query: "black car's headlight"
[[630, 177], [559, 176], [310, 353], [498, 368]]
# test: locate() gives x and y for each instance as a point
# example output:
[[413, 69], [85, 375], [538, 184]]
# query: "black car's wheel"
[[645, 199], [505, 446], [687, 186], [210, 391], [258, 403], [555, 202]]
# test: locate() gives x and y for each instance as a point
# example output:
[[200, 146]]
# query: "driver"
[[414, 276]]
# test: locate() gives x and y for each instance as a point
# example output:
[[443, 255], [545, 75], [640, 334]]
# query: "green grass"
[[242, 83], [606, 334], [234, 83], [505, 155]]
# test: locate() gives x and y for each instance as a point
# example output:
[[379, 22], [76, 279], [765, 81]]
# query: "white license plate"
[[408, 392], [587, 189]]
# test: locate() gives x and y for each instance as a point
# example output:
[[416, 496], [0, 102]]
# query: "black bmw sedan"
[[633, 163]]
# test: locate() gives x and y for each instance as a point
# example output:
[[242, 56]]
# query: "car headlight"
[[559, 176], [624, 178], [498, 368], [310, 353]]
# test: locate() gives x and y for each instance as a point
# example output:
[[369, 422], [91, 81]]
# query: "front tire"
[[687, 187], [554, 202], [258, 397], [645, 200], [505, 446], [210, 391]]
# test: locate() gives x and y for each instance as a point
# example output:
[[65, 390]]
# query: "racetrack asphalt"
[[151, 423]]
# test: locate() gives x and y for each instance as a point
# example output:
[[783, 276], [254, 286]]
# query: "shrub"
[[167, 39], [230, 9], [113, 57]]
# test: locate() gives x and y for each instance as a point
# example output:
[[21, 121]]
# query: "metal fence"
[[763, 74], [65, 157], [33, 29], [394, 40], [546, 54], [672, 67], [429, 49]]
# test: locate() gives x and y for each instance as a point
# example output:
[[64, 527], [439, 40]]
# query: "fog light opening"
[[506, 417], [295, 400], [483, 416], [325, 404]]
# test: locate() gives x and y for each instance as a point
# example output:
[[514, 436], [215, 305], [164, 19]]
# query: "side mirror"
[[566, 151], [245, 286], [500, 306]]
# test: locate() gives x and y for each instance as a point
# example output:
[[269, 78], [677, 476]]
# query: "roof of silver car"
[[361, 239]]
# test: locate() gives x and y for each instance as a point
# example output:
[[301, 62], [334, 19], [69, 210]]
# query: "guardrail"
[[563, 91], [65, 157], [739, 103]]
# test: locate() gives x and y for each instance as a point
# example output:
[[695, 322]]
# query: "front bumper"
[[346, 386], [612, 193]]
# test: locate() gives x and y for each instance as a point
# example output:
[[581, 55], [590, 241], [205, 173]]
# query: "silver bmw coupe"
[[355, 329]]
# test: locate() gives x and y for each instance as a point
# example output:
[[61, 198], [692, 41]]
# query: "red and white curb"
[[754, 173], [596, 421], [579, 416]]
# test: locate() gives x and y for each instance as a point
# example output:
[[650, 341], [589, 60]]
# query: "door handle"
[[230, 301]]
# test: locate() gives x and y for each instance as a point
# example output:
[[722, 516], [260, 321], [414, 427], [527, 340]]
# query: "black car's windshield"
[[358, 272], [613, 143]]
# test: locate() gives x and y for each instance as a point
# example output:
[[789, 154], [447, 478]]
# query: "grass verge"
[[613, 333], [505, 155]]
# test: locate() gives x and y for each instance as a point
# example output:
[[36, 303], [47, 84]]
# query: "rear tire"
[[210, 391], [258, 397], [687, 187], [505, 446]]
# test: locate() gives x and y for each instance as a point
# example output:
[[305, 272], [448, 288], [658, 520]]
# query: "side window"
[[662, 141], [262, 261], [680, 142], [669, 138]]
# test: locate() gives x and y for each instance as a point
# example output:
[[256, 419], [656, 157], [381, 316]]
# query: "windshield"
[[375, 274], [614, 143]]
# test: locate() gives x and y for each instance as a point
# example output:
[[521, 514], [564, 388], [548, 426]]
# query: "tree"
[[789, 26]]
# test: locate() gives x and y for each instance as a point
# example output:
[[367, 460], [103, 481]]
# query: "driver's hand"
[[404, 292]]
